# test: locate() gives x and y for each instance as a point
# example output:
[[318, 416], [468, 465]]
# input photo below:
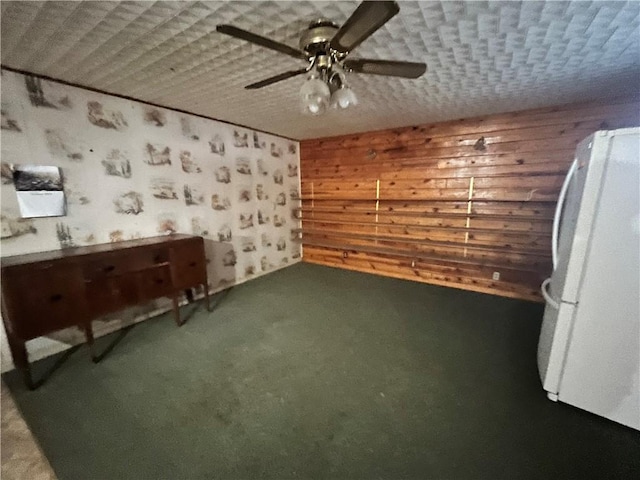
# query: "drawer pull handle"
[[157, 259], [193, 264], [109, 268], [56, 298], [159, 281]]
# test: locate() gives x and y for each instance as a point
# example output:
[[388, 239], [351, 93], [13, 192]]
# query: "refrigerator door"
[[602, 369], [554, 337]]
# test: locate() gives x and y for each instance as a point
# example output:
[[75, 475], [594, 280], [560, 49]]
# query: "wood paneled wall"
[[466, 203]]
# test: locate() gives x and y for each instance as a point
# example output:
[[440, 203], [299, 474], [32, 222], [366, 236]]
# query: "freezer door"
[[577, 216], [552, 346], [602, 370]]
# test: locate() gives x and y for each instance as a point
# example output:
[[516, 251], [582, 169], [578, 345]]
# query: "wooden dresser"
[[48, 291]]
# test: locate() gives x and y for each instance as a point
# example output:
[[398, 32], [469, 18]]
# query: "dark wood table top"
[[89, 249]]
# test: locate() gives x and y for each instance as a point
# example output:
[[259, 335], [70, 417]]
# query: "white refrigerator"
[[589, 348]]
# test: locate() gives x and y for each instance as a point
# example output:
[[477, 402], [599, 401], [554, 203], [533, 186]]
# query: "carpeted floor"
[[21, 457], [313, 372]]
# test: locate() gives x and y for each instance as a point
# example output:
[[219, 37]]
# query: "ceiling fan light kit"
[[326, 87], [325, 46]]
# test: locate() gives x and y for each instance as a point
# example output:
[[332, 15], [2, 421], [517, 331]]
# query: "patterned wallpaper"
[[131, 170]]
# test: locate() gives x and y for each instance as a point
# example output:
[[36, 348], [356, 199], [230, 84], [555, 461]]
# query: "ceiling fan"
[[325, 46]]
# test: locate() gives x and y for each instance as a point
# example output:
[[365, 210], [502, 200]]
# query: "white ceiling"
[[482, 57]]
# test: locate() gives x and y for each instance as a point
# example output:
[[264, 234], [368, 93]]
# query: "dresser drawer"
[[110, 294], [43, 299], [154, 282], [110, 265], [119, 263], [188, 264]]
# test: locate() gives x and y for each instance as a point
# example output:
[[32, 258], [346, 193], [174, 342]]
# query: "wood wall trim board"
[[429, 203]]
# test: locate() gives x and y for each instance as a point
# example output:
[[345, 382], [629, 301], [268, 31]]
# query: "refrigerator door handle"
[[547, 296], [556, 218]]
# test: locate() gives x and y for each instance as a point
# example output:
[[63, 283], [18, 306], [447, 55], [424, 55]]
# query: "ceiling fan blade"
[[386, 67], [367, 18], [262, 41], [276, 78]]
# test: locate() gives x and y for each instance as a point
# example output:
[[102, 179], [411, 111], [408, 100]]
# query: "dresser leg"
[[206, 296], [176, 310], [21, 359], [88, 334]]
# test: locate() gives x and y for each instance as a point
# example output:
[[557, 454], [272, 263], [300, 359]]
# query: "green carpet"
[[313, 372]]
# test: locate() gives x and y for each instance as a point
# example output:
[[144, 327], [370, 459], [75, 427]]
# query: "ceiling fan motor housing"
[[316, 38]]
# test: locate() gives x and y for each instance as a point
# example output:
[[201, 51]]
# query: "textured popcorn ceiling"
[[482, 57]]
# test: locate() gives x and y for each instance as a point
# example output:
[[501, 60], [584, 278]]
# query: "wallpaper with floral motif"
[[132, 170]]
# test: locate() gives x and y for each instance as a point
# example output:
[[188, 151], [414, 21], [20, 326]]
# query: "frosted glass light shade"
[[344, 97], [315, 95]]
